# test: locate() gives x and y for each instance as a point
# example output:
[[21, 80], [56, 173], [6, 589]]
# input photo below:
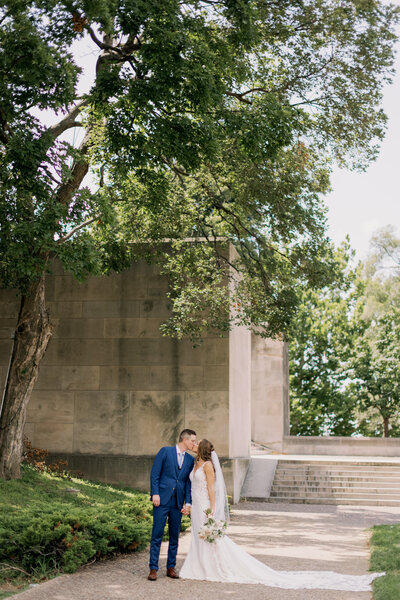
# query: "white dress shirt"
[[181, 457]]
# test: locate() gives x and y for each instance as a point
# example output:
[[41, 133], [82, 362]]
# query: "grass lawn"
[[385, 556], [46, 530], [8, 589]]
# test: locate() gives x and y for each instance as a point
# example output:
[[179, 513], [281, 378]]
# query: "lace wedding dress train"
[[227, 562]]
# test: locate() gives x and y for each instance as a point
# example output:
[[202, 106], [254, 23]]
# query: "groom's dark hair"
[[185, 433]]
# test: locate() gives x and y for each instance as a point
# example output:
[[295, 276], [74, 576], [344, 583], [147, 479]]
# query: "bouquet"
[[212, 529]]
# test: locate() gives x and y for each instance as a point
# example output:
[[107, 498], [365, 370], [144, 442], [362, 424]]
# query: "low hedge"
[[63, 539], [45, 530]]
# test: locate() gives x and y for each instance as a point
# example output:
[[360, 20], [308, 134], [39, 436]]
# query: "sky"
[[361, 203]]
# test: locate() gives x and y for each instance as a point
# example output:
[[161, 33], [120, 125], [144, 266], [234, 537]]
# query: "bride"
[[225, 561]]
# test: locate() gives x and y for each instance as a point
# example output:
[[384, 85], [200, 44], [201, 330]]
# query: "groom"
[[170, 494]]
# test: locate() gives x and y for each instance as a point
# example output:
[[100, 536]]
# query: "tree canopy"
[[375, 370], [211, 120], [205, 119], [344, 347], [321, 345]]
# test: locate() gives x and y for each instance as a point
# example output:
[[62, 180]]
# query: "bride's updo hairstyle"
[[204, 450]]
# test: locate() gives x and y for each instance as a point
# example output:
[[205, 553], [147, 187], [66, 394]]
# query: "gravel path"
[[285, 536]]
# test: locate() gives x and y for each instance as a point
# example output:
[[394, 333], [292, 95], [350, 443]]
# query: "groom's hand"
[[185, 509], [156, 500]]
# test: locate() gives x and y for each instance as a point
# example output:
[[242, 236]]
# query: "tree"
[[344, 348], [376, 369], [382, 273], [187, 98], [378, 413], [321, 342]]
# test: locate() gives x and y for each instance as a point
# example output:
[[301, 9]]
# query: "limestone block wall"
[[109, 382], [239, 388], [269, 392], [112, 390], [239, 409], [239, 392]]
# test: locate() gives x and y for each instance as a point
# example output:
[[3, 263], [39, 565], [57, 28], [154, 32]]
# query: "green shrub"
[[65, 538]]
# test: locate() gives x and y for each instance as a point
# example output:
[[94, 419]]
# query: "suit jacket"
[[166, 477]]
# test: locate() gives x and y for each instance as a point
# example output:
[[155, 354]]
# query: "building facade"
[[112, 390]]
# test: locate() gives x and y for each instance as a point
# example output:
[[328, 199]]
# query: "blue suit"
[[174, 488]]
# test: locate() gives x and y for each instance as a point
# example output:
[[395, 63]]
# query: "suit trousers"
[[160, 515]]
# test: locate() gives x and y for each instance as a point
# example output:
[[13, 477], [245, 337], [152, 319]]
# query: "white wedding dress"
[[227, 562]]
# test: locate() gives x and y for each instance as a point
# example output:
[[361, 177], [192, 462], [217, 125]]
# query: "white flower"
[[212, 529]]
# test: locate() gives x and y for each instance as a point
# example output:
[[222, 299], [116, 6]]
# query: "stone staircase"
[[358, 482]]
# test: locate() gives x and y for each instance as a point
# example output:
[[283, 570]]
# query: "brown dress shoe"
[[152, 575], [172, 573]]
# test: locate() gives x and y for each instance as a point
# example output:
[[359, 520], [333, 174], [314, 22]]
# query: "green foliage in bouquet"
[[212, 530]]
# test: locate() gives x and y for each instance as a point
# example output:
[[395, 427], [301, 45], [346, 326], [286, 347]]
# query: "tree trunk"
[[385, 427], [32, 335]]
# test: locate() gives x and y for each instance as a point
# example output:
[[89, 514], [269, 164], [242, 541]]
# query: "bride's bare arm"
[[210, 478]]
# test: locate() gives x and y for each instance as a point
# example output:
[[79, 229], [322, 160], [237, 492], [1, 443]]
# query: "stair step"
[[336, 501], [314, 477], [338, 464], [392, 472], [334, 463], [333, 488], [337, 483], [338, 474], [334, 494]]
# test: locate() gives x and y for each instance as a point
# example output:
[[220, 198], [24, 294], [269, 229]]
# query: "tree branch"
[[78, 171], [77, 228], [7, 566], [4, 128], [102, 45], [251, 232], [4, 137], [309, 75], [133, 43], [240, 95], [68, 121], [80, 167]]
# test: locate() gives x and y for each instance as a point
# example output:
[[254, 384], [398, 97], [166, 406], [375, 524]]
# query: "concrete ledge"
[[341, 446], [238, 468], [134, 471], [259, 479]]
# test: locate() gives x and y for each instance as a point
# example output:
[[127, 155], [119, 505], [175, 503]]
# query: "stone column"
[[269, 392]]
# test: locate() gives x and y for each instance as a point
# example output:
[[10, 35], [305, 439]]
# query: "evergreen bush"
[[45, 531]]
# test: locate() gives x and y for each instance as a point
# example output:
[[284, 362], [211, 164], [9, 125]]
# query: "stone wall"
[[112, 390], [341, 446], [269, 392]]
